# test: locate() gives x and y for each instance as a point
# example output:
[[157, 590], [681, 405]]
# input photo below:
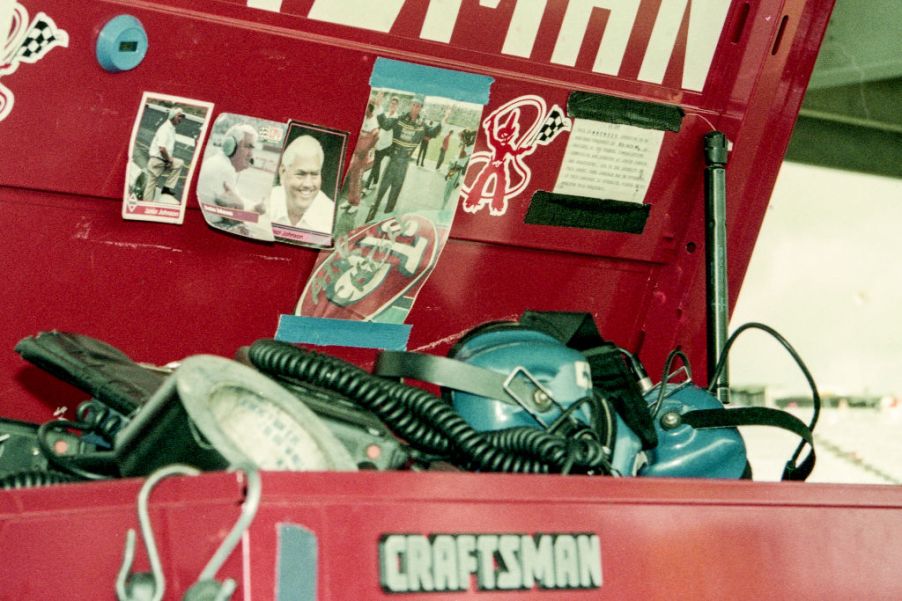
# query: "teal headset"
[[229, 145]]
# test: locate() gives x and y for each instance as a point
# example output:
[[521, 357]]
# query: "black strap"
[[615, 382], [610, 376], [758, 416], [458, 375], [576, 330]]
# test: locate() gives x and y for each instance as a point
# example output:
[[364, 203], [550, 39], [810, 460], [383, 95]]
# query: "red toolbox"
[[634, 259]]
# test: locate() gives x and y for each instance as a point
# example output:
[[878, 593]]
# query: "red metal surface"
[[160, 292], [70, 540], [659, 539]]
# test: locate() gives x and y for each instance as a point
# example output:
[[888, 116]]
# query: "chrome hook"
[[207, 587], [147, 587]]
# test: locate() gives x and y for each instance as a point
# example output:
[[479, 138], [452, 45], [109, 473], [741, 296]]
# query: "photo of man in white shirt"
[[161, 163], [299, 201]]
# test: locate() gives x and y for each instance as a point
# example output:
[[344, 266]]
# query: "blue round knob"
[[122, 44]]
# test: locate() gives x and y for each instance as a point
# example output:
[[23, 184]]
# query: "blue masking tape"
[[431, 81], [342, 332], [296, 564]]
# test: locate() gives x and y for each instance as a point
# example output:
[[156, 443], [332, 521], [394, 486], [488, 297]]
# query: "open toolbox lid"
[[162, 292]]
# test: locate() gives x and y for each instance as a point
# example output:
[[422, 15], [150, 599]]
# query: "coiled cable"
[[428, 422], [34, 479]]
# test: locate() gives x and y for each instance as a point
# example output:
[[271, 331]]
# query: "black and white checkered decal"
[[554, 123], [42, 35], [25, 45]]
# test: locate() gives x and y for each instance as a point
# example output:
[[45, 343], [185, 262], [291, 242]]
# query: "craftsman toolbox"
[[548, 157]]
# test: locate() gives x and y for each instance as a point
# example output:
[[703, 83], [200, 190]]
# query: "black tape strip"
[[611, 109], [564, 210]]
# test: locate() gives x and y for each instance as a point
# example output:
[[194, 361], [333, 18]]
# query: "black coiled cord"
[[426, 421], [97, 418], [547, 449], [399, 407], [34, 479]]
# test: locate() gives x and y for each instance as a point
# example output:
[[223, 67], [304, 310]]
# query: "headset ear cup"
[[491, 326], [229, 146], [479, 330]]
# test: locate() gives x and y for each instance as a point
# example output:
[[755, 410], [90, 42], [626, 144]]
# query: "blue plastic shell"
[[122, 44], [685, 452], [562, 371]]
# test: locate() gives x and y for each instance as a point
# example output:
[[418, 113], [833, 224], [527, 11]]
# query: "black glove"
[[99, 369]]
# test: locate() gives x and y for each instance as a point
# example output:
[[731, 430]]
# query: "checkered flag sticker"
[[554, 123], [25, 45], [42, 35]]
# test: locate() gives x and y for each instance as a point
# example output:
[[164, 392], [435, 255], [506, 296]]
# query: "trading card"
[[302, 203], [236, 176], [162, 153]]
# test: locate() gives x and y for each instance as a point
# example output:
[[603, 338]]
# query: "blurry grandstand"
[[856, 437]]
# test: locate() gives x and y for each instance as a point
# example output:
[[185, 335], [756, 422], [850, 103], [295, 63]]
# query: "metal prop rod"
[[718, 299]]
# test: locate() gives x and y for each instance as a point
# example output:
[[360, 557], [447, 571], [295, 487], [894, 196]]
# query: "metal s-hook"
[[143, 586], [207, 587], [152, 586]]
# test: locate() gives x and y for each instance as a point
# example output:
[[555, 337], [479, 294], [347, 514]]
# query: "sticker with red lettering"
[[513, 131], [374, 273], [161, 157]]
